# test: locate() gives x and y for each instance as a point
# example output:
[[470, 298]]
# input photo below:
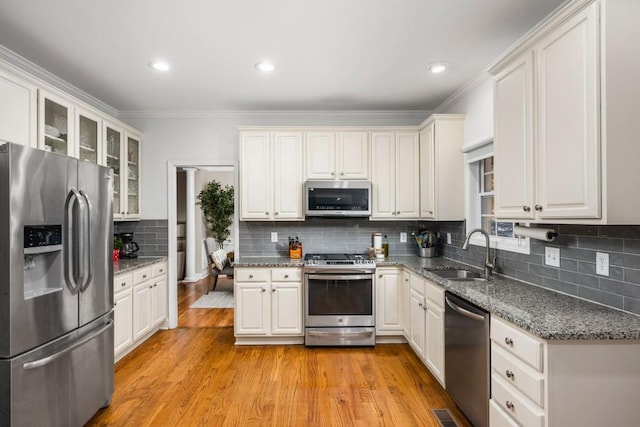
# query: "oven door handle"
[[364, 334], [340, 276]]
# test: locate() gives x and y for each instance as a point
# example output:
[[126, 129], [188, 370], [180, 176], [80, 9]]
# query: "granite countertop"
[[125, 265], [542, 312], [547, 314]]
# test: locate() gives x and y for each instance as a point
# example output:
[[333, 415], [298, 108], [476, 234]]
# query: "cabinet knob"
[[332, 174], [144, 276], [538, 208], [380, 276], [264, 290], [509, 404], [420, 304], [150, 286], [123, 284], [266, 213], [155, 286], [526, 208], [430, 212], [341, 173], [509, 374], [398, 213], [424, 307], [286, 276], [508, 341], [273, 290], [251, 276]]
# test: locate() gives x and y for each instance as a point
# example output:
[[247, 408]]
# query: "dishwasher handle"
[[464, 311]]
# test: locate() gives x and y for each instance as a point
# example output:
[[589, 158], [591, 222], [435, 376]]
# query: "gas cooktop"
[[334, 260]]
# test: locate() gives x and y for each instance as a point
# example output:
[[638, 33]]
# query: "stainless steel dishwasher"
[[466, 356]]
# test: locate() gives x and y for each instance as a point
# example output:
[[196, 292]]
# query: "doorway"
[[183, 294]]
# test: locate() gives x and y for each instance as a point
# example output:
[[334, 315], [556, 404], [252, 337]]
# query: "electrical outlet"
[[274, 237], [552, 256], [403, 237], [602, 264], [448, 238]]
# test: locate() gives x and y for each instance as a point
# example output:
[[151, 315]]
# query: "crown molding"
[[48, 79], [463, 91], [417, 114]]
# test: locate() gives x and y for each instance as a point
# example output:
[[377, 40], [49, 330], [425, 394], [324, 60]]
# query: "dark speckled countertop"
[[547, 314], [126, 265]]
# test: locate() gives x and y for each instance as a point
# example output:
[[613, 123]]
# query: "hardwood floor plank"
[[196, 375]]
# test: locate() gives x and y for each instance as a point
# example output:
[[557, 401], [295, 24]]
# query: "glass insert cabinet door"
[[133, 175], [56, 125], [113, 143], [89, 138]]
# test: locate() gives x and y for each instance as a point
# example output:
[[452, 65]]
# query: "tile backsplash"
[[151, 235], [576, 275], [578, 245]]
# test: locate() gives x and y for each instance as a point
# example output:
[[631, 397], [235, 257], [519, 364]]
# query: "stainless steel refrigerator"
[[56, 294]]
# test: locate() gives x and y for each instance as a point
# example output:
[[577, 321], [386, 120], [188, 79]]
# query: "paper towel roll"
[[546, 234]]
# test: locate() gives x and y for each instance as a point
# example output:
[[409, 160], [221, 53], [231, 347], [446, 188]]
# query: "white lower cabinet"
[[426, 330], [140, 306], [389, 310], [542, 383], [268, 305]]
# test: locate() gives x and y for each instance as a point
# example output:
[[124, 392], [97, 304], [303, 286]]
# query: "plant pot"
[[116, 255]]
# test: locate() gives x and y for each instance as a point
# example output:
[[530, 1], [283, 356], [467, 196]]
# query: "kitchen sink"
[[458, 275]]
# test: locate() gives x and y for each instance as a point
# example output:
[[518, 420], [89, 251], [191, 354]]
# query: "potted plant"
[[117, 245], [217, 206]]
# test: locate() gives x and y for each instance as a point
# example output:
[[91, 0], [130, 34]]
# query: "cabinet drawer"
[[499, 418], [122, 282], [141, 275], [158, 269], [517, 342], [515, 372], [515, 403], [434, 293], [417, 284], [251, 275], [286, 275]]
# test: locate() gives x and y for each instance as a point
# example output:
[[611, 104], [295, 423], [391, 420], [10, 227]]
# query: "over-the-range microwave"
[[337, 198]]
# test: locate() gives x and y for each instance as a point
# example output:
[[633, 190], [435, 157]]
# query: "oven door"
[[339, 300]]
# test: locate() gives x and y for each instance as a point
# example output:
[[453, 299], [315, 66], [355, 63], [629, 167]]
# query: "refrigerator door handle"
[[68, 250], [88, 253], [48, 359]]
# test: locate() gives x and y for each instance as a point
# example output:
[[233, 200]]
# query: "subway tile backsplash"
[[578, 246], [577, 272], [151, 235]]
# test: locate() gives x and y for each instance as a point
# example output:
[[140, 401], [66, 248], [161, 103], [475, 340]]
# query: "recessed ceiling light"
[[438, 67], [159, 65], [265, 66]]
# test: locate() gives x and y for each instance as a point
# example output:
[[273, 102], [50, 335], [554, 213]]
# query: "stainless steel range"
[[339, 297]]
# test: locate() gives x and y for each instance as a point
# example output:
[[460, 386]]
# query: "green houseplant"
[[216, 203], [117, 245]]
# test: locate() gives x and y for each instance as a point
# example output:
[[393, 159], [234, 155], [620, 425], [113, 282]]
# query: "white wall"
[[213, 137], [476, 101]]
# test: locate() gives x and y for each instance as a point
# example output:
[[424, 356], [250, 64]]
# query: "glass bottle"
[[385, 247]]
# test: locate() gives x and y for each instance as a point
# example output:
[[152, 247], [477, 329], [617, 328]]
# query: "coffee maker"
[[129, 247]]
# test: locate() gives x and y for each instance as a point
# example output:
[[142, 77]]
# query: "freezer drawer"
[[62, 383]]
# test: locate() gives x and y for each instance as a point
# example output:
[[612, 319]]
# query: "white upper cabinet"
[[442, 168], [271, 177], [56, 124], [18, 110], [568, 133], [337, 155], [131, 195], [395, 174], [89, 132], [513, 139], [565, 119]]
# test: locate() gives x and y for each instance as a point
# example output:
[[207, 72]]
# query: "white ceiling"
[[330, 54]]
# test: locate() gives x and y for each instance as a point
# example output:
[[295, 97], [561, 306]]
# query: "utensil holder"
[[427, 252]]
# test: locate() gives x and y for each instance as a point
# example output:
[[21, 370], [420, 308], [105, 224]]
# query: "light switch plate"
[[274, 237], [602, 264], [448, 238], [403, 237], [552, 256]]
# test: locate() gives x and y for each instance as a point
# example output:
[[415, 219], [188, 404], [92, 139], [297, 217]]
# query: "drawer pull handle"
[[510, 374], [123, 284], [508, 341], [144, 276], [509, 405], [420, 304]]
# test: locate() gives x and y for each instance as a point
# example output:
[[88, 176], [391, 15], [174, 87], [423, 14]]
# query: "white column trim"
[[190, 261]]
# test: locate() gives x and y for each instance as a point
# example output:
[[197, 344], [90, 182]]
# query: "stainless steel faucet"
[[488, 264]]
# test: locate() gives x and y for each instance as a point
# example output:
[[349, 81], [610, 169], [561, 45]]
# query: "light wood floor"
[[195, 375]]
